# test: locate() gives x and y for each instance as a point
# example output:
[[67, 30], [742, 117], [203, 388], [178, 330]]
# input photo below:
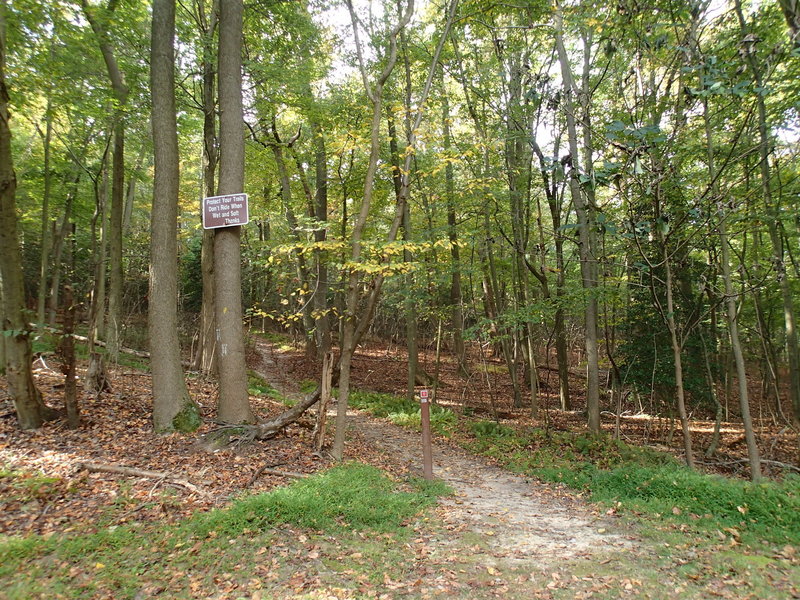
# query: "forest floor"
[[496, 535]]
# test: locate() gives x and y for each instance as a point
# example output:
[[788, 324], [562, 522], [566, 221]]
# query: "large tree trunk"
[[173, 408], [233, 405], [14, 327]]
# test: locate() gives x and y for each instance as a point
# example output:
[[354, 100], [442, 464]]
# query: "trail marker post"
[[425, 419]]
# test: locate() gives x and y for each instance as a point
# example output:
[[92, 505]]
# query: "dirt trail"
[[519, 520], [509, 521]]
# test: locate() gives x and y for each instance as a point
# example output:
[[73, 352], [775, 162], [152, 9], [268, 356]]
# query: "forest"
[[576, 222]]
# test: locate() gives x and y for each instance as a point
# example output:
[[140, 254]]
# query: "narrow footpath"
[[501, 534]]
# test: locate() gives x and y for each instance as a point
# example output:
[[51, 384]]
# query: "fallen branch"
[[230, 434], [268, 470], [131, 472], [102, 344]]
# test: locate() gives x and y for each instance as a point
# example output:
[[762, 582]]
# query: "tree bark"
[[173, 408], [14, 328], [233, 405]]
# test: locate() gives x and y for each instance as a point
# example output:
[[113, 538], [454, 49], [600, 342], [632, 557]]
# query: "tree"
[[173, 408], [233, 405], [206, 356], [586, 225], [353, 326], [121, 93], [31, 411]]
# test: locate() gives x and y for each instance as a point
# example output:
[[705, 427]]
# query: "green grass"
[[258, 386], [402, 411], [647, 483], [347, 508], [307, 386], [352, 496]]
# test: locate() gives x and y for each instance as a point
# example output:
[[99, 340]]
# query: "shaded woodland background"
[[579, 213]]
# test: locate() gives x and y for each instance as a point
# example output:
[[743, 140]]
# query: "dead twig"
[[268, 470], [258, 473], [131, 472]]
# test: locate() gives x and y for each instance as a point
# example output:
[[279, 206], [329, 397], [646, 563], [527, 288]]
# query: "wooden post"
[[425, 419], [324, 400], [68, 360]]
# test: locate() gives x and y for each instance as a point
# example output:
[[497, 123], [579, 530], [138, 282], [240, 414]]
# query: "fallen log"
[[102, 344], [131, 472], [234, 435]]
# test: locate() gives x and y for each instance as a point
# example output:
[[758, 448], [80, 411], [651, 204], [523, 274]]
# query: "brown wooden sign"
[[225, 211]]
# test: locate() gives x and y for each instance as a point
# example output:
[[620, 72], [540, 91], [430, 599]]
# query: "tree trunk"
[[68, 360], [773, 208], [350, 329], [96, 378], [233, 405], [301, 266], [205, 359], [120, 88], [456, 300], [355, 321], [408, 301], [678, 362], [59, 240], [14, 328], [173, 408], [44, 258], [586, 231], [322, 310], [730, 305]]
